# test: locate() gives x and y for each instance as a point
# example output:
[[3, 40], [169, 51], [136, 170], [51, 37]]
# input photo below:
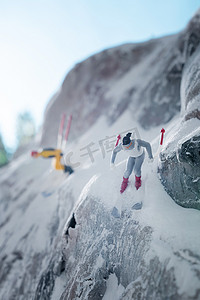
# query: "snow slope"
[[143, 77], [170, 237], [59, 239], [39, 201], [174, 238]]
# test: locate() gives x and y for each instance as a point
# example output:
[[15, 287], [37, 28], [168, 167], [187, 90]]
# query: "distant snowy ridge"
[[143, 77]]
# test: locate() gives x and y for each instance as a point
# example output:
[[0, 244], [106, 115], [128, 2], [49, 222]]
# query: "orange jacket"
[[56, 154]]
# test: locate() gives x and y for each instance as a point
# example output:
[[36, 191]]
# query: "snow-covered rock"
[[143, 77], [33, 208], [180, 160], [110, 82], [143, 254]]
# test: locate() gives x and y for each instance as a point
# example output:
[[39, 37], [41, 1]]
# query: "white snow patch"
[[113, 291], [178, 132], [59, 287]]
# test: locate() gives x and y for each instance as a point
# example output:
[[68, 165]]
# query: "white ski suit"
[[136, 155]]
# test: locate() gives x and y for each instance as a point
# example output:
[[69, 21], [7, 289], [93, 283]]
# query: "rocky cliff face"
[[144, 78], [116, 247], [31, 218], [180, 161], [180, 173], [142, 255]]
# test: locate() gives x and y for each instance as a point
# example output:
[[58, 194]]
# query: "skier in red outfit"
[[135, 149]]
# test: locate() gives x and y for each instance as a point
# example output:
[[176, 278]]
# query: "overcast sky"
[[41, 40]]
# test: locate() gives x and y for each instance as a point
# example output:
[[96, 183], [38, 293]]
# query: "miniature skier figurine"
[[56, 154], [134, 148]]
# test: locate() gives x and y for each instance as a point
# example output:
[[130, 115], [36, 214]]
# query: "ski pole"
[[60, 132], [118, 139], [68, 127], [67, 131]]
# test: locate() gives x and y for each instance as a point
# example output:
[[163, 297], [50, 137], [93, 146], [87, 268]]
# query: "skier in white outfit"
[[135, 150]]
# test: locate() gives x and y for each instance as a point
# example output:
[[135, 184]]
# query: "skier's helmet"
[[127, 139]]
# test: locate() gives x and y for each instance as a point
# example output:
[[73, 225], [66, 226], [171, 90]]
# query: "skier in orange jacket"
[[56, 154]]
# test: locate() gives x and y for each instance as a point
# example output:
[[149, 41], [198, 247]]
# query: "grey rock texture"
[[100, 245], [31, 221], [91, 84], [146, 76], [180, 165], [180, 173]]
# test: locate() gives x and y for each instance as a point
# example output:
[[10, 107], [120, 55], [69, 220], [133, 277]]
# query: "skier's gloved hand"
[[150, 160], [112, 166]]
